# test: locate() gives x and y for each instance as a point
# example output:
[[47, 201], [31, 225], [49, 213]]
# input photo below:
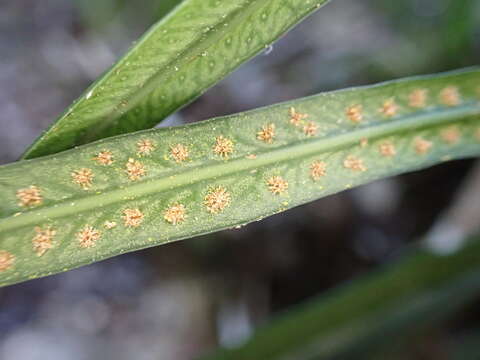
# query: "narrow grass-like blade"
[[191, 49], [144, 189]]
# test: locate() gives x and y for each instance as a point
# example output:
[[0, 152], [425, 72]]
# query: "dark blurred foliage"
[[180, 300]]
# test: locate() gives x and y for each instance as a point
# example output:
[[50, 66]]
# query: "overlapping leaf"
[[191, 49], [148, 188]]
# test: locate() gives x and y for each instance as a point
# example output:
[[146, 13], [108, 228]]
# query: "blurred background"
[[182, 300]]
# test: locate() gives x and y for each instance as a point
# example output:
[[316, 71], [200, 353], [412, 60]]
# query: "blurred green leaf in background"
[[372, 314]]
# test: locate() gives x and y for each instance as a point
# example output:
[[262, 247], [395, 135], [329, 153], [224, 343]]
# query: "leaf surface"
[[191, 49], [152, 187]]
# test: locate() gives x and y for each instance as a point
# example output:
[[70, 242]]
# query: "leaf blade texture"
[[191, 49], [152, 187]]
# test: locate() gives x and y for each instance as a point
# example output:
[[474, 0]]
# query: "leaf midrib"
[[160, 76], [189, 54], [201, 172], [197, 46]]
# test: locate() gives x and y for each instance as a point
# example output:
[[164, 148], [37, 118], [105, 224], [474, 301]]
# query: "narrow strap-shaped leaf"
[[374, 310], [191, 49], [152, 187]]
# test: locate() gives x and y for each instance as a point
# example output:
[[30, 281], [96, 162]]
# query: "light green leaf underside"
[[194, 47], [372, 313], [352, 153]]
